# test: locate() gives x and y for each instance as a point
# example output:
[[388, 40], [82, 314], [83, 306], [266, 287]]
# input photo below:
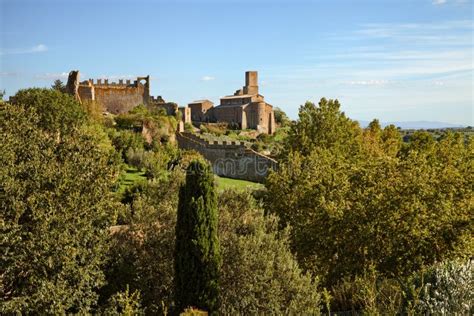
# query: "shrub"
[[124, 303], [443, 289], [135, 157], [260, 274], [188, 127], [203, 129]]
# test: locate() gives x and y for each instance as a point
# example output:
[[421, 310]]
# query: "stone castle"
[[114, 97], [244, 109]]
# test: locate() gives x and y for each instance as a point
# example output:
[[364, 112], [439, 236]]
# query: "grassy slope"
[[228, 183], [130, 176]]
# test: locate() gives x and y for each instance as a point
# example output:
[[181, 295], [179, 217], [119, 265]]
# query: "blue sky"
[[404, 60]]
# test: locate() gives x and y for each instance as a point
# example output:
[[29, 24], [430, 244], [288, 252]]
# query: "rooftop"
[[201, 101], [238, 96], [232, 105]]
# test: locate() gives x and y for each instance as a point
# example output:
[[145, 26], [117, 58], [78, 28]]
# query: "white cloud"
[[439, 2], [52, 76], [40, 48], [207, 78], [8, 74], [369, 82]]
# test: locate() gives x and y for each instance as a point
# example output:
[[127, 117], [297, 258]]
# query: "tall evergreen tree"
[[59, 86], [197, 256]]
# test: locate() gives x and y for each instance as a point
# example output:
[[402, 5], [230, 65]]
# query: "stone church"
[[246, 107]]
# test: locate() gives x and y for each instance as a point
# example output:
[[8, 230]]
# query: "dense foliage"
[[55, 180], [353, 220], [357, 199]]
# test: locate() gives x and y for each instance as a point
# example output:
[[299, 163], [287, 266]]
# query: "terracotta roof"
[[231, 105], [201, 101], [238, 96]]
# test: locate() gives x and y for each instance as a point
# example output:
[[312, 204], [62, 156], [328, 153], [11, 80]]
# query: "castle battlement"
[[124, 83], [115, 97]]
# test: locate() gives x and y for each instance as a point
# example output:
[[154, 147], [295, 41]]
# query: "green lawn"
[[130, 176], [228, 183]]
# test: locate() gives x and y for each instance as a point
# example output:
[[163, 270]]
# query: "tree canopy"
[[56, 204]]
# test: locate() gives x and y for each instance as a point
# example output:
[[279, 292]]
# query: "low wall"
[[229, 159]]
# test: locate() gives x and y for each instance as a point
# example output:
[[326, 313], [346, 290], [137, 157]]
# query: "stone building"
[[199, 110], [115, 97], [246, 107]]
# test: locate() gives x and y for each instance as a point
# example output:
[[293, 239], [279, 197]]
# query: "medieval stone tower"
[[246, 107]]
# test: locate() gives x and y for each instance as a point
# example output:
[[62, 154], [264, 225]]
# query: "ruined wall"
[[230, 159], [86, 92], [185, 114], [119, 98], [113, 97]]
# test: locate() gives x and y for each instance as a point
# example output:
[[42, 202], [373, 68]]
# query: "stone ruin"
[[115, 97], [245, 109]]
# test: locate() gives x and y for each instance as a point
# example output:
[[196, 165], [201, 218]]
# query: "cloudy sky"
[[404, 60]]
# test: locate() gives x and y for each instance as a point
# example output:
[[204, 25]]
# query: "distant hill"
[[417, 124]]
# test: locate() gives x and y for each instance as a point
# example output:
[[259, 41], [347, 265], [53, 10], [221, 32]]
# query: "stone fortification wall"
[[114, 97], [117, 97], [229, 159]]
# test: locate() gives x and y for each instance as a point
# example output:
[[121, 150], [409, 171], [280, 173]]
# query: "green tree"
[[57, 112], [354, 203], [323, 126], [281, 118], [59, 86], [197, 256], [55, 204], [268, 283], [260, 275]]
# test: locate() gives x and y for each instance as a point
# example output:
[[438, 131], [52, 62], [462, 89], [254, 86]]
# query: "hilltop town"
[[245, 109], [195, 194]]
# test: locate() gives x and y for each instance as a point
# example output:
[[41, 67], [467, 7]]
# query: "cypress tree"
[[197, 257]]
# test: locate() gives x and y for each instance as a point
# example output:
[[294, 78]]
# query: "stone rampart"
[[229, 159]]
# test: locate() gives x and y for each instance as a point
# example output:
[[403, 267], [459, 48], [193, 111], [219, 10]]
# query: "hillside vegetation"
[[353, 220]]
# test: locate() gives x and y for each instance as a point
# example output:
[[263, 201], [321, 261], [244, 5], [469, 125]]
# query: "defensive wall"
[[229, 159]]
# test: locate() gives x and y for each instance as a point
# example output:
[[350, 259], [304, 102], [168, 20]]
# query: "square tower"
[[251, 82]]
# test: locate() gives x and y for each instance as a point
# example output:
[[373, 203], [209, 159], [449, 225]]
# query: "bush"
[[124, 303], [260, 275], [443, 289], [135, 157], [188, 127], [203, 129], [123, 140]]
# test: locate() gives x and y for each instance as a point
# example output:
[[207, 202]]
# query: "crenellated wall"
[[117, 98], [114, 97], [230, 159]]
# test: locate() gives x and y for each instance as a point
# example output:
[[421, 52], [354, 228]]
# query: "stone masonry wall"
[[119, 99], [230, 159]]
